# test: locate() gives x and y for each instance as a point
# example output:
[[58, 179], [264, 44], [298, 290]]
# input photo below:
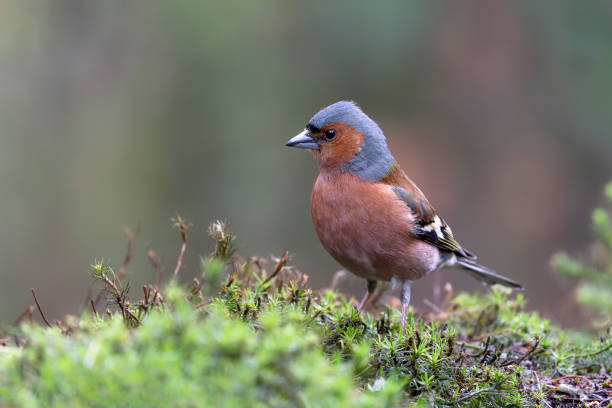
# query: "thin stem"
[[39, 308], [179, 262]]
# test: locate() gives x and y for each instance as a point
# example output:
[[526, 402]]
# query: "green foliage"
[[595, 277], [180, 356], [240, 336]]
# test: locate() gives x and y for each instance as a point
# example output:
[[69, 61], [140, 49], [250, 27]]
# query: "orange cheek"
[[341, 150]]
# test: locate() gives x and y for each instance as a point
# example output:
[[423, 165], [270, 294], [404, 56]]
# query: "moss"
[[239, 336]]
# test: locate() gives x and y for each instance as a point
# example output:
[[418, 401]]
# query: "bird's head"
[[344, 138]]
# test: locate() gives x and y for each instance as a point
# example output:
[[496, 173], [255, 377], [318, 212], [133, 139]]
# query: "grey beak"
[[303, 141]]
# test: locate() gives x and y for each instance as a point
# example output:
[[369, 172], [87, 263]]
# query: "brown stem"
[[113, 286], [93, 307], [29, 311], [486, 351], [524, 356], [183, 226], [179, 261], [234, 275], [145, 290], [156, 264], [279, 265], [39, 308], [128, 256], [130, 314]]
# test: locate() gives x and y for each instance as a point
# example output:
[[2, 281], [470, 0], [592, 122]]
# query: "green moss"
[[242, 337], [180, 356]]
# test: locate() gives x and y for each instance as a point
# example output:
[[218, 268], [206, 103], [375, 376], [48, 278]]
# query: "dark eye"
[[330, 134]]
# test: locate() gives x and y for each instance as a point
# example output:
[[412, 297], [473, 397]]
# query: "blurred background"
[[122, 114]]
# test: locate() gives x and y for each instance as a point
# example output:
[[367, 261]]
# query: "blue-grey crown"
[[374, 160]]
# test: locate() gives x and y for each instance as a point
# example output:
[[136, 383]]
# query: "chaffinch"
[[368, 214]]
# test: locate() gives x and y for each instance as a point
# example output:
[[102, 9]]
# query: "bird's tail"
[[486, 275]]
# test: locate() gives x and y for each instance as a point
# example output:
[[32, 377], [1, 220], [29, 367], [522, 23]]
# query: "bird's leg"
[[405, 298], [370, 287]]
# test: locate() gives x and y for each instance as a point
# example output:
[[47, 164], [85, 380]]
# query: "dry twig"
[[29, 312], [130, 248], [152, 256], [279, 265], [39, 308], [183, 226]]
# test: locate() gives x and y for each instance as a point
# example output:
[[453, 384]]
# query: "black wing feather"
[[429, 226]]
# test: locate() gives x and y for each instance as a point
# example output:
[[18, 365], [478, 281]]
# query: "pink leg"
[[405, 298], [370, 287], [363, 301]]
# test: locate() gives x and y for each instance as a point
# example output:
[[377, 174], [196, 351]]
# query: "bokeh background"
[[120, 113]]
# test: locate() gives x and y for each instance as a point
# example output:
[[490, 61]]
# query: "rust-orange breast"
[[367, 229]]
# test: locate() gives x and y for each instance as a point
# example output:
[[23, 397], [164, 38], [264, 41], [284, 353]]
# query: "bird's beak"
[[303, 141]]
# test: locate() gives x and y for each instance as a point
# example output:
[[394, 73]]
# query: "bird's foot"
[[363, 302], [370, 288]]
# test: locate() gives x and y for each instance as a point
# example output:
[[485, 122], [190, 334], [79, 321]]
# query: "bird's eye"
[[330, 134]]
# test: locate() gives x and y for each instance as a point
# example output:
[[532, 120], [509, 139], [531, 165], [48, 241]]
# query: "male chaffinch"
[[368, 214]]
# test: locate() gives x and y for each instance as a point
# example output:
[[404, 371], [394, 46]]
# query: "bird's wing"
[[429, 226]]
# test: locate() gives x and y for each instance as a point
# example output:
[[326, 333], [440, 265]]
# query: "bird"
[[369, 215]]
